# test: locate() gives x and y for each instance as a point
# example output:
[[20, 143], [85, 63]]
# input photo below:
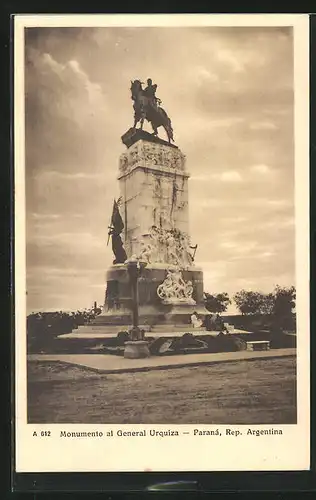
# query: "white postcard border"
[[289, 451]]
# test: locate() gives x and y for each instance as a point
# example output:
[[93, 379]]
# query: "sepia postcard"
[[161, 183]]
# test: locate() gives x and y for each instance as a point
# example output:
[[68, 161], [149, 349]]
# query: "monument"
[[150, 225]]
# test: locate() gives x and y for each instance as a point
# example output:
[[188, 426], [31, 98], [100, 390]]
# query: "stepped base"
[[151, 316], [156, 331]]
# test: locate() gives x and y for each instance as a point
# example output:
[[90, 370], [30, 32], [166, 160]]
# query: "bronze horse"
[[144, 110]]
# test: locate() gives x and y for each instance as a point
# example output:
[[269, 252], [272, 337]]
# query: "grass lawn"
[[243, 392]]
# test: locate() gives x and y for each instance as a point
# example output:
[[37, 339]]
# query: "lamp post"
[[136, 347], [134, 271]]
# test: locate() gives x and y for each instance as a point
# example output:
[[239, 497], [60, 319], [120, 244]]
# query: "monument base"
[[180, 314], [136, 349], [152, 310]]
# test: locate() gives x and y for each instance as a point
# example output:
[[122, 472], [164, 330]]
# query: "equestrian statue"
[[147, 107]]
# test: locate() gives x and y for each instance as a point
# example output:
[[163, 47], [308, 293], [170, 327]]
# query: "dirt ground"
[[243, 392]]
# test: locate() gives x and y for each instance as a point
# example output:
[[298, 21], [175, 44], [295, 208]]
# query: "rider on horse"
[[150, 93], [147, 107]]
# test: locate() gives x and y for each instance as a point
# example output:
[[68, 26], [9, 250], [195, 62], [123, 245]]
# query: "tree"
[[248, 302], [216, 303], [267, 303], [284, 303], [279, 303]]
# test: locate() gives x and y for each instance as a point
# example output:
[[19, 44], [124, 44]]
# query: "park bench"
[[258, 345]]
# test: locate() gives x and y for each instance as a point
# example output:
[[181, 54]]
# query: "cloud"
[[230, 176], [280, 203], [201, 75], [60, 272], [65, 113], [263, 125], [244, 282], [235, 220], [266, 255], [226, 176], [85, 240], [199, 177], [48, 175], [279, 223], [67, 71], [240, 247], [47, 217], [261, 169], [94, 89], [230, 58]]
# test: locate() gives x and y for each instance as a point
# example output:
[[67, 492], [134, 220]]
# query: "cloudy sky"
[[229, 93]]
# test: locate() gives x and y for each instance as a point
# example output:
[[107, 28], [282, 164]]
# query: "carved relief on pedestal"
[[174, 289], [174, 247], [151, 154], [164, 156], [123, 166], [129, 159], [161, 218], [146, 253], [156, 236], [169, 246], [135, 156], [184, 254]]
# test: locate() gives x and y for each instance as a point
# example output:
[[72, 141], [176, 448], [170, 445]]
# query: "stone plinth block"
[[117, 305], [152, 309], [137, 349], [154, 192], [180, 314], [135, 134]]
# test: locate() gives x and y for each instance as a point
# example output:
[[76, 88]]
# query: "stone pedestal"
[[154, 208], [154, 190], [152, 310], [136, 349]]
